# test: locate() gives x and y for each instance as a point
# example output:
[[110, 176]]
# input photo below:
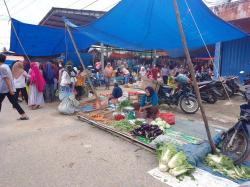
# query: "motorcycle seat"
[[166, 89]]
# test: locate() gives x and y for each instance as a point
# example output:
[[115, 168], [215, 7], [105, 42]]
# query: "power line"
[[24, 7], [14, 30]]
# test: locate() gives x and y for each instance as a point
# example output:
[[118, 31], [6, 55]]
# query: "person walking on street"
[[37, 84], [7, 87], [49, 76], [20, 77], [108, 74]]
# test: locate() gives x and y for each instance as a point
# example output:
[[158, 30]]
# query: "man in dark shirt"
[[116, 93]]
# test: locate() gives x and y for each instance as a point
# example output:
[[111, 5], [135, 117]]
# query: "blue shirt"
[[153, 100], [117, 92]]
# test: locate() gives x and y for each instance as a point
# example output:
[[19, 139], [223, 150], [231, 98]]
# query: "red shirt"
[[154, 72]]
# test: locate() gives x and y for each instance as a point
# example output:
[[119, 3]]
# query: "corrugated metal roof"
[[235, 57], [54, 18]]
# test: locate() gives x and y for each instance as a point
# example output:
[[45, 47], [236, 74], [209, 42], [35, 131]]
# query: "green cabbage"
[[169, 158], [225, 165], [161, 123], [168, 153], [163, 167], [177, 160], [180, 170]]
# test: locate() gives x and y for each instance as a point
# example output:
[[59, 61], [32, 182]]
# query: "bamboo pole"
[[80, 59], [191, 69]]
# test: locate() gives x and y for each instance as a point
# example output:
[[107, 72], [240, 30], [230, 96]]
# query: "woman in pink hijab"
[[37, 84]]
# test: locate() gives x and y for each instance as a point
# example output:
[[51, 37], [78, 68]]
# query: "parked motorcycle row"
[[222, 89]]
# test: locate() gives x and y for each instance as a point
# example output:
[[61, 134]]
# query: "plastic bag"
[[68, 105], [64, 92]]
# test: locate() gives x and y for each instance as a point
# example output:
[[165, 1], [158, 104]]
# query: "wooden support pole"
[[191, 69], [80, 59]]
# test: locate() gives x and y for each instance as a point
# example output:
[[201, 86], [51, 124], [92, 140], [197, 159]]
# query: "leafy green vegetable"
[[168, 152], [124, 126], [123, 104], [163, 167], [177, 160], [225, 165], [169, 158], [138, 123], [161, 123], [180, 170]]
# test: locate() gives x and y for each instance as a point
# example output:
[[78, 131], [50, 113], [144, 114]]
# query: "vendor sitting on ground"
[[116, 93], [149, 103]]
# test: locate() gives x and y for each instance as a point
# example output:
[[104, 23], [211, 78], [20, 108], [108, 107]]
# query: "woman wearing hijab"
[[20, 76], [149, 103], [37, 84], [66, 82], [49, 75], [143, 72]]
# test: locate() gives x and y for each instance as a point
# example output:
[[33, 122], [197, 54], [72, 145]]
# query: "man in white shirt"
[[7, 87]]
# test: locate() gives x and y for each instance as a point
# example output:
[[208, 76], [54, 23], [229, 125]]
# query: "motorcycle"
[[235, 142], [207, 92], [182, 97], [221, 90]]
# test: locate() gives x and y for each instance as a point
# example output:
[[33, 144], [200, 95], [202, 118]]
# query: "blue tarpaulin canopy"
[[45, 41], [151, 24]]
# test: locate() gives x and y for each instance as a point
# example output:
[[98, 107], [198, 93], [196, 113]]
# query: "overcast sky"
[[32, 11]]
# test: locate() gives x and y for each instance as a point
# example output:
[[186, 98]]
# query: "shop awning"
[[45, 41], [152, 25]]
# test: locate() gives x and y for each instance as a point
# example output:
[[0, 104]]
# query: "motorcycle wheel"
[[189, 104], [239, 149]]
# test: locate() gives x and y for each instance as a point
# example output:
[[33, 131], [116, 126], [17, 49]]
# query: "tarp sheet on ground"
[[45, 41], [151, 24]]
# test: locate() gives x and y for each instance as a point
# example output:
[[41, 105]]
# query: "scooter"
[[235, 142], [246, 85], [182, 97]]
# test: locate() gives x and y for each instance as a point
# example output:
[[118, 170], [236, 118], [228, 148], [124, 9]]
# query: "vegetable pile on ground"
[[147, 131], [173, 162], [119, 117], [225, 165], [97, 117], [124, 104], [124, 126], [161, 123]]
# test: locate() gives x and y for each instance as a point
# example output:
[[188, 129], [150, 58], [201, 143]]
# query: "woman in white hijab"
[[143, 72]]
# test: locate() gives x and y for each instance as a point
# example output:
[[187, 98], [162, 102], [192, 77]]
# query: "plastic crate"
[[168, 117]]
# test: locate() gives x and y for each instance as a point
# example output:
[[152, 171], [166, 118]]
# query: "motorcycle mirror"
[[242, 72]]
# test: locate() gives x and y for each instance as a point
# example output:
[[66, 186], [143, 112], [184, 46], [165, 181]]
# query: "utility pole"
[[191, 69]]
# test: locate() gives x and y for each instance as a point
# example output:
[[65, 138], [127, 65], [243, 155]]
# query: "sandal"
[[24, 118]]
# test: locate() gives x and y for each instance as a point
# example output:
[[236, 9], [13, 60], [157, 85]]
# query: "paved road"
[[55, 150]]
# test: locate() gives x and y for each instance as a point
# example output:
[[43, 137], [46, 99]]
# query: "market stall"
[[164, 137]]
